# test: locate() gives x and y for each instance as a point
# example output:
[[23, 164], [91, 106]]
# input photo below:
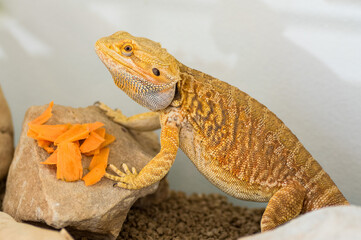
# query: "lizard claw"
[[116, 114], [103, 106], [126, 179]]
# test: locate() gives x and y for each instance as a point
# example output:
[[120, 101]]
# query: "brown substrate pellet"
[[198, 216]]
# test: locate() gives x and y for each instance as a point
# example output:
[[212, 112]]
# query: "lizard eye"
[[156, 71], [127, 50]]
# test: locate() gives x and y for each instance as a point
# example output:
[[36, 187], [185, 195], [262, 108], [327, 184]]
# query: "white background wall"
[[302, 59]]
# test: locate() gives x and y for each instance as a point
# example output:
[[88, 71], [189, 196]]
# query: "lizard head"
[[141, 68]]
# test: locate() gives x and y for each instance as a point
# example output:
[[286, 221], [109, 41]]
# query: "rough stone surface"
[[34, 194], [10, 229], [159, 196], [6, 137], [332, 223]]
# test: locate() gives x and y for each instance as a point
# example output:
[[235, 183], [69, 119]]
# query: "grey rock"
[[331, 223], [6, 137], [10, 229], [159, 196], [34, 194]]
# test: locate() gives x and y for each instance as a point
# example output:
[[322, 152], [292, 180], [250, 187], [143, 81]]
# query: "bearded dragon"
[[237, 143]]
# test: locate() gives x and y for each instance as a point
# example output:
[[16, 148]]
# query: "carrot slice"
[[48, 132], [32, 134], [44, 116], [92, 153], [100, 159], [97, 167], [52, 159], [69, 166], [46, 145], [75, 133], [68, 153], [108, 140], [77, 143], [92, 142], [100, 132], [93, 126], [94, 176]]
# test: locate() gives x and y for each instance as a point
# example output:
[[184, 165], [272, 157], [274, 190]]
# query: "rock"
[[34, 194], [10, 229], [331, 223], [159, 196], [6, 137]]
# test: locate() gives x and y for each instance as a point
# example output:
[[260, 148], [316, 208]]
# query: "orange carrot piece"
[[92, 142], [108, 140], [97, 167], [92, 153], [94, 176], [32, 134], [67, 156], [69, 167], [44, 116], [100, 160], [93, 126], [77, 143], [75, 133], [100, 132], [52, 159], [48, 132], [45, 145]]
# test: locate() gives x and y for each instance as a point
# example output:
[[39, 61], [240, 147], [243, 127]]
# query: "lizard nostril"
[[156, 71]]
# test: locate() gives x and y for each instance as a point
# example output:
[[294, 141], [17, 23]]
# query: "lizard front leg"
[[148, 121], [283, 206], [157, 168]]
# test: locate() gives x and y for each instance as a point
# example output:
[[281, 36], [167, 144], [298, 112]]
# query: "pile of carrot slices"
[[67, 142]]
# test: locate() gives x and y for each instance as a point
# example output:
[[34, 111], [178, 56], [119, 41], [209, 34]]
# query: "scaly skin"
[[235, 141]]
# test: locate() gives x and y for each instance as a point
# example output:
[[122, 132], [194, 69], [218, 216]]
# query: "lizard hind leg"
[[283, 206]]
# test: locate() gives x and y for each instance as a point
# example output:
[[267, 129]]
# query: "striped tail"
[[321, 191]]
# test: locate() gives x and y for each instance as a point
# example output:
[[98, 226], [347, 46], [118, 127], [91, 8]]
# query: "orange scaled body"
[[235, 141]]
